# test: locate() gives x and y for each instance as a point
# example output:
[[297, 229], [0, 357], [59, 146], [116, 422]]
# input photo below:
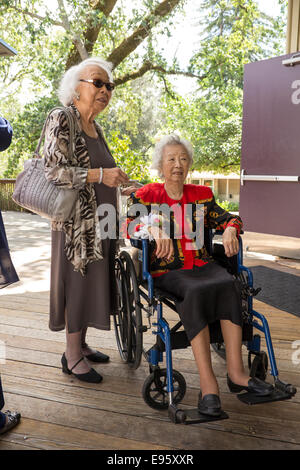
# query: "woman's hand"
[[129, 190], [164, 245], [113, 177], [230, 242]]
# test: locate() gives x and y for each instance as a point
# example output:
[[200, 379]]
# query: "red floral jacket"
[[186, 252]]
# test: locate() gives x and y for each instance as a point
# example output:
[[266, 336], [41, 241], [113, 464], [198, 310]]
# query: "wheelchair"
[[165, 387]]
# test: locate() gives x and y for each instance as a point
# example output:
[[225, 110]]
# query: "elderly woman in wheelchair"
[[182, 269]]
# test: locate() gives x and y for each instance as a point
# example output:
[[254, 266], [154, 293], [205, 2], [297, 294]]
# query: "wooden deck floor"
[[59, 412]]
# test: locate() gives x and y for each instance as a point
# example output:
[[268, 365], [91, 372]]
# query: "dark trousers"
[[2, 415]]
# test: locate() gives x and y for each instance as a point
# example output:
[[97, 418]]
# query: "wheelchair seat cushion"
[[203, 295]]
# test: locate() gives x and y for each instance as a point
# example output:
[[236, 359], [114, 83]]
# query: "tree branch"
[[34, 15], [75, 37], [132, 42], [147, 66], [106, 6], [19, 74], [167, 88], [92, 30]]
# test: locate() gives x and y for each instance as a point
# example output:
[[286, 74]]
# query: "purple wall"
[[271, 146]]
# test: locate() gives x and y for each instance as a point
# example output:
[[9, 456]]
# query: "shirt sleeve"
[[58, 168], [219, 219]]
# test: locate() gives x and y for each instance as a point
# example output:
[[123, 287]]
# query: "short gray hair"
[[172, 139], [70, 80]]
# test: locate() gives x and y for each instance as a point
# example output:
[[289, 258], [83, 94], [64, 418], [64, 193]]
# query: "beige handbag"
[[35, 193]]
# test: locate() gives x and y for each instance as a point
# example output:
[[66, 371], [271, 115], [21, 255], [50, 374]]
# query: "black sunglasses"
[[99, 84]]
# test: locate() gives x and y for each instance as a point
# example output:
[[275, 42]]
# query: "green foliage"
[[29, 81], [212, 125], [27, 126], [126, 158], [232, 33], [229, 206]]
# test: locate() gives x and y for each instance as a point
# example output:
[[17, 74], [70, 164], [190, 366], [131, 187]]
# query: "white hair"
[[70, 80], [172, 139]]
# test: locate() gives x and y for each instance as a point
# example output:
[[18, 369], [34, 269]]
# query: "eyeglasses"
[[99, 84]]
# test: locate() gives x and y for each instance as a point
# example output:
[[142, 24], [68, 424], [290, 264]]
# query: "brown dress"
[[87, 300]]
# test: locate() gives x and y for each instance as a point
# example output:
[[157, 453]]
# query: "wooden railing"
[[7, 187]]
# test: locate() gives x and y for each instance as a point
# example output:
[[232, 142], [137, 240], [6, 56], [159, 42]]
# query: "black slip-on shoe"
[[13, 418], [92, 376], [209, 405], [256, 386], [98, 357]]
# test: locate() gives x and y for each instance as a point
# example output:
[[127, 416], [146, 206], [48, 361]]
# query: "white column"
[[293, 27]]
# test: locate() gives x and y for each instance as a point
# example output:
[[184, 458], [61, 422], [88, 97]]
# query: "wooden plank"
[[117, 378], [116, 368], [36, 329], [13, 445], [147, 429], [53, 359], [283, 349], [47, 436], [114, 411], [130, 401]]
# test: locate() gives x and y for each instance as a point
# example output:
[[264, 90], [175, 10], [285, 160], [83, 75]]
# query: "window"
[[208, 183]]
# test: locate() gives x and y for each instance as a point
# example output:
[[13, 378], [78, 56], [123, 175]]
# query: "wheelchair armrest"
[[137, 243]]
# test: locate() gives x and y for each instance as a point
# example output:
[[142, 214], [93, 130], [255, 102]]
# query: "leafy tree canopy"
[[232, 34], [50, 36]]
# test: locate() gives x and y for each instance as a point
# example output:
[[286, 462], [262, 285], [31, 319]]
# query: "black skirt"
[[204, 295]]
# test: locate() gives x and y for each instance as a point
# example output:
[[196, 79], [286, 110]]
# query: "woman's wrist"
[[94, 175]]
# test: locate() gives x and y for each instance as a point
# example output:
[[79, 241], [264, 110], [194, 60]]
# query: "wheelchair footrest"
[[251, 399], [192, 416]]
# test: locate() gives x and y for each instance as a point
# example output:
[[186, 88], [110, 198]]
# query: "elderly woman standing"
[[81, 272], [206, 292]]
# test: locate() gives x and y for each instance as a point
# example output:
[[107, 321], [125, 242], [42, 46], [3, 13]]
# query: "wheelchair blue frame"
[[163, 329], [155, 355]]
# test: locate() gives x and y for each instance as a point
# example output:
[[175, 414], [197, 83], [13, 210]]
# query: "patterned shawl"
[[83, 241]]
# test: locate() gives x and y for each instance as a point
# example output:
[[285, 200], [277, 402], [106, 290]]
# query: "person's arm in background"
[[5, 134]]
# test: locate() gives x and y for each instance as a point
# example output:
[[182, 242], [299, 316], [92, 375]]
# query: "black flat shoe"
[[92, 376], [256, 386], [13, 418], [209, 405], [97, 357]]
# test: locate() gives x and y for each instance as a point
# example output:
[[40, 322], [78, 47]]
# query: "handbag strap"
[[71, 124]]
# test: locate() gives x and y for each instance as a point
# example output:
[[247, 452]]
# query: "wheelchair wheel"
[[135, 312], [259, 366], [122, 317], [155, 389]]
